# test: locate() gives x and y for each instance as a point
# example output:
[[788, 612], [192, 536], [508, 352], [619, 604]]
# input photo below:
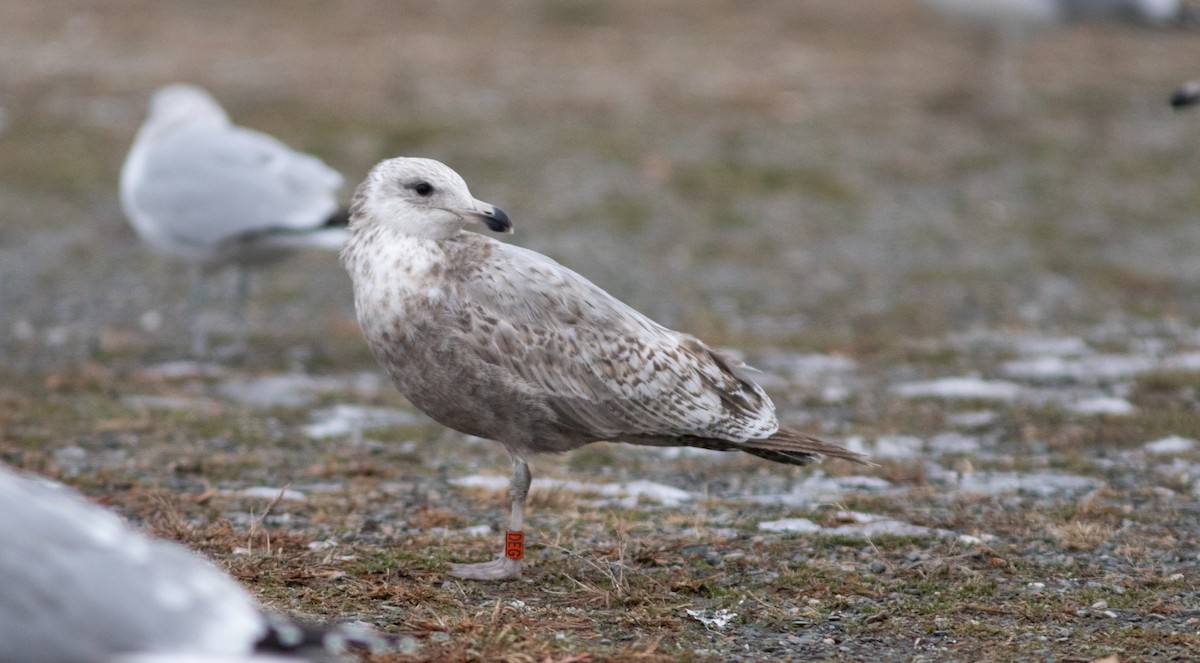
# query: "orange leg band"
[[514, 545]]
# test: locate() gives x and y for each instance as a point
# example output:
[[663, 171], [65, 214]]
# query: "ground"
[[1000, 305]]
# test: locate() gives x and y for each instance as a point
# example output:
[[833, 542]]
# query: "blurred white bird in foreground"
[[79, 585], [1009, 22], [198, 188]]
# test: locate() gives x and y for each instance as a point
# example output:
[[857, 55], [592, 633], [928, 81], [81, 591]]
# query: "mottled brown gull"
[[504, 343]]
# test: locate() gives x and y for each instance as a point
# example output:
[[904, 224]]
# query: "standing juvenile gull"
[[503, 343], [201, 189], [78, 585]]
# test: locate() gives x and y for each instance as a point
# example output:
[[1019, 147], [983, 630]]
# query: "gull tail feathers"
[[339, 219], [795, 448], [328, 236]]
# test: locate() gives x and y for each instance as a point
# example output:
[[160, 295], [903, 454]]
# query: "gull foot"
[[501, 568]]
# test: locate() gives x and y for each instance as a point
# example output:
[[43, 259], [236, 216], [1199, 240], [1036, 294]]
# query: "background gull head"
[[182, 103]]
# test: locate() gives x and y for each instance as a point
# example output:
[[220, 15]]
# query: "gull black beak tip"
[[497, 221]]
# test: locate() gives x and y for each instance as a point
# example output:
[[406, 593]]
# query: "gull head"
[[422, 198], [180, 103]]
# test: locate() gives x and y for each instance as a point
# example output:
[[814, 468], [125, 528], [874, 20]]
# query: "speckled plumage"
[[504, 343]]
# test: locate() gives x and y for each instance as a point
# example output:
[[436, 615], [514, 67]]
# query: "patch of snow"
[[835, 393], [953, 443], [710, 532], [629, 492], [482, 481], [790, 525], [1050, 345], [1042, 484], [898, 447], [863, 482], [967, 387], [150, 321], [1092, 368], [177, 403], [295, 389], [345, 419], [267, 493], [715, 619], [23, 330], [1171, 445], [861, 524], [817, 489], [977, 419], [1102, 405], [473, 530], [175, 370], [803, 364], [856, 443], [1188, 361], [885, 526]]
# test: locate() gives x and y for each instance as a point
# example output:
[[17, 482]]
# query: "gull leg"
[[199, 334], [240, 326], [510, 563]]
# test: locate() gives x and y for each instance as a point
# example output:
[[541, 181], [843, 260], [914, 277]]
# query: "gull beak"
[[493, 217]]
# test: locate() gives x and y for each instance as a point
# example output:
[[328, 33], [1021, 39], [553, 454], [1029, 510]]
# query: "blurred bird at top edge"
[[1186, 95], [1008, 24], [202, 190]]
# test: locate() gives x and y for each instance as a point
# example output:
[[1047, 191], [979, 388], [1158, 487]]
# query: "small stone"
[[878, 567], [1100, 605]]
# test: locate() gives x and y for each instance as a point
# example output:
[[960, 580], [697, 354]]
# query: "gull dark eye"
[[423, 188]]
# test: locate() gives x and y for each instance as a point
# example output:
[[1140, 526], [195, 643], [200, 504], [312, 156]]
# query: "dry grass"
[[613, 583]]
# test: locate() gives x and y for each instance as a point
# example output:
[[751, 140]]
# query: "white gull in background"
[[503, 343], [200, 189], [79, 585], [1009, 23]]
